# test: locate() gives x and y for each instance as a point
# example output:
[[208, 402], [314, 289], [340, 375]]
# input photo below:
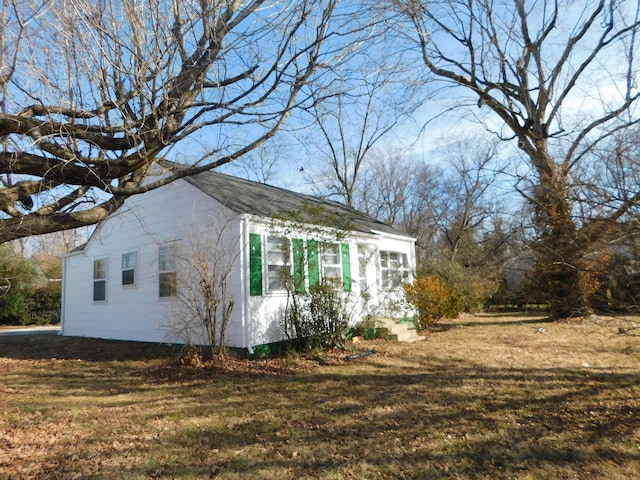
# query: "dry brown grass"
[[483, 397]]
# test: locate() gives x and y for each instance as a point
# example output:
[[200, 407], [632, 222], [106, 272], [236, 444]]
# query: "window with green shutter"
[[314, 264], [331, 264], [278, 260], [298, 265], [346, 267], [255, 264]]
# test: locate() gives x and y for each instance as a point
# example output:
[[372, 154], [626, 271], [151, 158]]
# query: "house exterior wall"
[[182, 215], [385, 300], [176, 214], [366, 295]]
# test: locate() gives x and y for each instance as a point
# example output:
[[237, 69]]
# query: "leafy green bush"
[[16, 277], [45, 304], [22, 300]]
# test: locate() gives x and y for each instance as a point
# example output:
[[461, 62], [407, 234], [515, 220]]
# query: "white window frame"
[[129, 268], [326, 264], [167, 265], [100, 279], [393, 272], [278, 261]]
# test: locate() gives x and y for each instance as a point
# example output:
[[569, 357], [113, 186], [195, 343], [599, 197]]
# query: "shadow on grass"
[[42, 347], [486, 321], [438, 418], [442, 419], [452, 421]]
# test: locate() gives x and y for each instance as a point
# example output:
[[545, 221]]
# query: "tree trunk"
[[561, 268]]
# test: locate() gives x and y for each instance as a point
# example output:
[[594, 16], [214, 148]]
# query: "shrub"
[[16, 276], [24, 301], [317, 319], [433, 300], [471, 288], [45, 304]]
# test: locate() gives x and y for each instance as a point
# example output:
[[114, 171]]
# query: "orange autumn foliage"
[[433, 300]]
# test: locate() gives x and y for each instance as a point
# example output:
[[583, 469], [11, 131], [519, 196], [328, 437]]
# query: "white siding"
[[183, 214], [177, 212], [266, 312]]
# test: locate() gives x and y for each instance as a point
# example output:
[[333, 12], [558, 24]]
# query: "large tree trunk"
[[528, 62], [561, 268]]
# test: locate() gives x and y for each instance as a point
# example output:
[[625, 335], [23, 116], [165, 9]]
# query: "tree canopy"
[[559, 79], [93, 93]]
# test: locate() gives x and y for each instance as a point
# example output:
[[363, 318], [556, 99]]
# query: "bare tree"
[[205, 299], [387, 187], [560, 79], [369, 98], [405, 193], [468, 203], [95, 92], [54, 243], [261, 164]]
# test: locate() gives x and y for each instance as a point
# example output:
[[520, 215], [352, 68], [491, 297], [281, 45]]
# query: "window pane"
[[128, 277], [168, 284], [276, 257], [167, 259], [278, 263], [385, 278], [277, 243], [275, 277], [394, 268], [332, 272], [129, 260], [99, 291], [100, 268], [331, 255]]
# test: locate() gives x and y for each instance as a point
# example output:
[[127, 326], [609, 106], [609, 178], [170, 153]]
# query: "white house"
[[125, 282]]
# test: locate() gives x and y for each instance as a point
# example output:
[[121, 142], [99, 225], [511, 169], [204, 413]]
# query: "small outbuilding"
[[131, 278]]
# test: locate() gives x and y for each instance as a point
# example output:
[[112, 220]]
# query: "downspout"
[[63, 294], [243, 278]]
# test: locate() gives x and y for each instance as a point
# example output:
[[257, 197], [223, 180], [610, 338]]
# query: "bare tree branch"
[[95, 93]]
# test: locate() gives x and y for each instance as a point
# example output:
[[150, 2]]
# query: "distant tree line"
[[94, 95]]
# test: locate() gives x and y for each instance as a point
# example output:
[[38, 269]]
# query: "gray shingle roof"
[[245, 196]]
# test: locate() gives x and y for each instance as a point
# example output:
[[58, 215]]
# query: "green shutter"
[[346, 268], [255, 264], [298, 265], [314, 264]]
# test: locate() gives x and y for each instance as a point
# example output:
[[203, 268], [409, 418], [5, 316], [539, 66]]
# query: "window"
[[278, 263], [100, 280], [395, 269], [365, 254], [332, 263], [296, 264], [167, 271], [129, 268]]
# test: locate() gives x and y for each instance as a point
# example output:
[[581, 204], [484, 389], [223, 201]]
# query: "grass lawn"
[[483, 397]]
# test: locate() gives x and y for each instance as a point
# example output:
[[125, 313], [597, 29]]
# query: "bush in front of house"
[[471, 287], [318, 318], [432, 299]]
